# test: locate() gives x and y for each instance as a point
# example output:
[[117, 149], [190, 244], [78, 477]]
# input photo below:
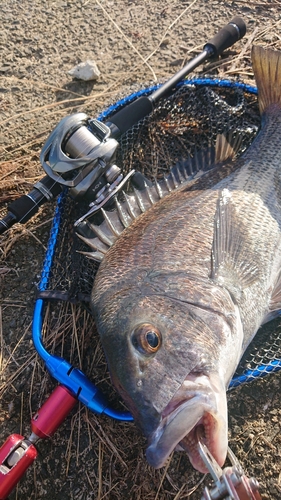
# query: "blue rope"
[[259, 372], [47, 265]]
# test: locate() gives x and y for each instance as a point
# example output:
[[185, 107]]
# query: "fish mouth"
[[181, 421]]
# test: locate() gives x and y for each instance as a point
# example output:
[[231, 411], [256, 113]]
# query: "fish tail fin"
[[267, 71]]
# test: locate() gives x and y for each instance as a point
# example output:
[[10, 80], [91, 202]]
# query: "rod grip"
[[227, 36], [130, 115]]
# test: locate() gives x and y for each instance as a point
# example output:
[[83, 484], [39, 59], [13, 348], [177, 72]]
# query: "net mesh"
[[188, 120]]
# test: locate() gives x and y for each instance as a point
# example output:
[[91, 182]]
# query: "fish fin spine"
[[227, 146]]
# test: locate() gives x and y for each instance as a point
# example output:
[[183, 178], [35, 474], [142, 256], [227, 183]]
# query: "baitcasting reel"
[[80, 155]]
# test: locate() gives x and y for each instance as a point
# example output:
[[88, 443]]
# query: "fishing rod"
[[80, 152]]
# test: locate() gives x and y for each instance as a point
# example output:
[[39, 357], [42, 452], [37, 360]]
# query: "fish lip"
[[171, 432], [158, 451]]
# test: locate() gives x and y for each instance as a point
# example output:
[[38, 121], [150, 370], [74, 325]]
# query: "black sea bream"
[[184, 288]]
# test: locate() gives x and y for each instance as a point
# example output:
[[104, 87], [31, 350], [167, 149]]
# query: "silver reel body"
[[80, 154]]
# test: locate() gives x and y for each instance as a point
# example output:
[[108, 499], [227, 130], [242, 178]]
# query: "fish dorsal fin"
[[267, 70], [231, 267], [226, 148], [186, 170], [101, 237], [130, 206]]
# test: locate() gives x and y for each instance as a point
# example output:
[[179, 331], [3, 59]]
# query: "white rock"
[[87, 70]]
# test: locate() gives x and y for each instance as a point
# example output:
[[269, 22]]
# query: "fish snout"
[[197, 409]]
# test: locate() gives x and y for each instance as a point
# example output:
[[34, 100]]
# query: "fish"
[[190, 269]]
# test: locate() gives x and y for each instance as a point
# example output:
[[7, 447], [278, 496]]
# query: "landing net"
[[188, 120]]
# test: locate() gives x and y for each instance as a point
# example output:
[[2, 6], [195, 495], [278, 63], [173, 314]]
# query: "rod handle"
[[227, 36]]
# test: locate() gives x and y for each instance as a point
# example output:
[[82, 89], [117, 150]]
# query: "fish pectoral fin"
[[232, 265]]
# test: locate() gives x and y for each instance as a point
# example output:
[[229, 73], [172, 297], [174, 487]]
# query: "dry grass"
[[103, 459]]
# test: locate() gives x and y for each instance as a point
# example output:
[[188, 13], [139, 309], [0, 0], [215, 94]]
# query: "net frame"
[[258, 360]]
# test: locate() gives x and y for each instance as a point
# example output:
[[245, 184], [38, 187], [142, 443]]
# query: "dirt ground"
[[133, 43]]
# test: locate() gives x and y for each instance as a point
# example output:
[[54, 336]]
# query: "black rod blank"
[[137, 110]]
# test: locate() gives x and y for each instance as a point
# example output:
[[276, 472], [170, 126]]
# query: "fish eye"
[[146, 338]]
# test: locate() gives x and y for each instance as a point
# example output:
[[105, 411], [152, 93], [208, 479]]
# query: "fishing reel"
[[80, 154]]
